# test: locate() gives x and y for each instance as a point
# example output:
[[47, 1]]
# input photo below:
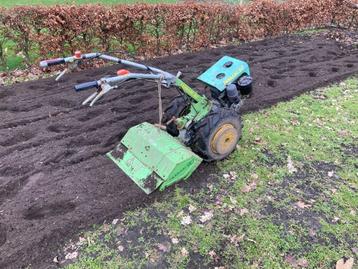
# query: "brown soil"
[[54, 177]]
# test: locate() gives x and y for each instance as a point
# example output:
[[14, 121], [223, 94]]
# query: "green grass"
[[307, 215], [11, 3]]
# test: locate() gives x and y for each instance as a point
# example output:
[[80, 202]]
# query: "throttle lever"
[[70, 68]]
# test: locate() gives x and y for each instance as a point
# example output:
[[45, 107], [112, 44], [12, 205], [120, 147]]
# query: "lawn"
[[286, 198], [11, 3]]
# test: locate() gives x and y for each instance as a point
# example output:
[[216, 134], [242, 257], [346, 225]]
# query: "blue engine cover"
[[224, 72]]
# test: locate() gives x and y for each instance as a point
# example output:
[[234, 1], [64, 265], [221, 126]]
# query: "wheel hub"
[[224, 139]]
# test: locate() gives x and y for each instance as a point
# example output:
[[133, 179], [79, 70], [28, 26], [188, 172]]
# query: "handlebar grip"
[[50, 62], [86, 86]]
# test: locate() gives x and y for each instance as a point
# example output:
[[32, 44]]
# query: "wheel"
[[177, 107], [216, 136]]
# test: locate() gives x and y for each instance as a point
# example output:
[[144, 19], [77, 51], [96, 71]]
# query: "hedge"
[[153, 30]]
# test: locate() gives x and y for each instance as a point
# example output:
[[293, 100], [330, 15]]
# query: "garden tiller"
[[191, 129]]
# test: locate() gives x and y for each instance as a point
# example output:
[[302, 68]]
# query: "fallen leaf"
[[243, 211], [258, 140], [235, 239], [233, 200], [71, 256], [210, 187], [212, 253], [163, 247], [181, 213], [106, 227], [207, 216], [295, 122], [186, 220], [343, 133], [249, 187], [290, 167], [302, 262], [226, 176], [214, 256], [81, 241], [312, 232], [184, 252], [231, 175], [119, 230], [192, 208], [218, 200], [302, 205], [345, 265], [120, 248], [291, 260], [318, 122]]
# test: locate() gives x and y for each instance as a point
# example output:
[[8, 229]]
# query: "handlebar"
[[47, 63], [86, 86]]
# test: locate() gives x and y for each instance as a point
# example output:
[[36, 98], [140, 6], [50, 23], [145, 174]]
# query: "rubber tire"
[[177, 107], [206, 129]]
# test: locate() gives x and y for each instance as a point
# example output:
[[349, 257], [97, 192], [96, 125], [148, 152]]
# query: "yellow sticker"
[[233, 75]]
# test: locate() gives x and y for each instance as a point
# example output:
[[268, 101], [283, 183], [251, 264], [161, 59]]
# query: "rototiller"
[[157, 156]]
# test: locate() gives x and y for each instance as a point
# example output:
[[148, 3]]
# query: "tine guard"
[[152, 158]]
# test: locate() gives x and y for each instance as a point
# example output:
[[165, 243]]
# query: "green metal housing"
[[223, 72], [199, 108], [152, 158]]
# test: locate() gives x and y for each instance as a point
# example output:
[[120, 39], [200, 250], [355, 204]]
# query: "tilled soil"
[[54, 177]]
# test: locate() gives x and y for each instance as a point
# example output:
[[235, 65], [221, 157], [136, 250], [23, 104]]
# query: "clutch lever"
[[103, 89]]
